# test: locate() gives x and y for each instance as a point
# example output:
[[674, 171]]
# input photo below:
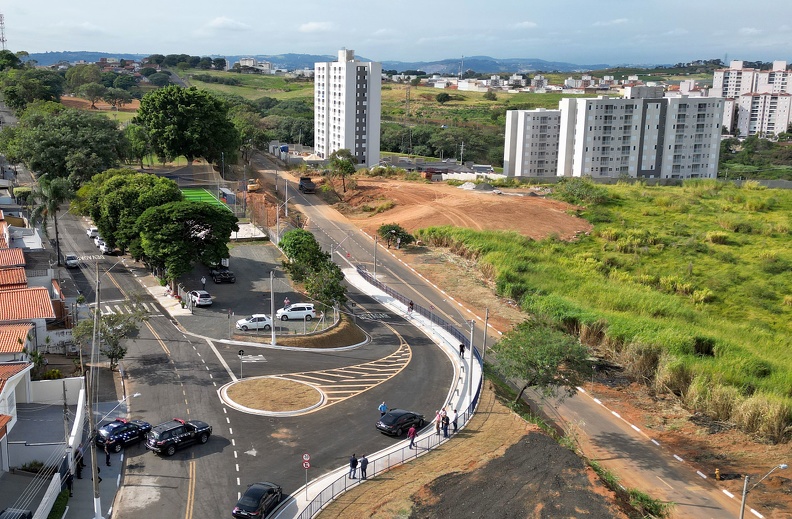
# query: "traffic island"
[[271, 396]]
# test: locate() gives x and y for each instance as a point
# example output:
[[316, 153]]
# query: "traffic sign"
[[306, 457], [306, 465], [241, 352]]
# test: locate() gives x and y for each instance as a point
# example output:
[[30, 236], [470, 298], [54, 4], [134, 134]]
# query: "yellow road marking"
[[188, 512], [159, 339], [111, 278]]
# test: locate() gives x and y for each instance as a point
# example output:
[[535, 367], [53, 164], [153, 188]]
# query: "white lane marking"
[[666, 484], [678, 458], [228, 420], [655, 442], [614, 413], [728, 493], [598, 401], [757, 514], [233, 442], [634, 427], [237, 467], [701, 474], [236, 455], [580, 389], [230, 431]]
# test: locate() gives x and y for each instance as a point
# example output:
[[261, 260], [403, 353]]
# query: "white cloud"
[[384, 32], [749, 31], [526, 25], [607, 23], [223, 23], [677, 32], [84, 28], [316, 27]]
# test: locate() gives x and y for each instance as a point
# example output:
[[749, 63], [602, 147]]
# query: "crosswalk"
[[125, 307]]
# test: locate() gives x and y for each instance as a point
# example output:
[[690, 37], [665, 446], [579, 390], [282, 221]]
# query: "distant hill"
[[480, 64]]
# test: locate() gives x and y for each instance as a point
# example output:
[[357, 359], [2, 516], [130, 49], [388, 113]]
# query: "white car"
[[92, 232], [200, 298], [105, 248], [98, 241], [255, 322], [296, 311], [72, 262]]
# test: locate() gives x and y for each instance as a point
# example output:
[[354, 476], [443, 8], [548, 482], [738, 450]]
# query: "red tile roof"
[[11, 334], [12, 258], [25, 304], [12, 278], [4, 419], [9, 370]]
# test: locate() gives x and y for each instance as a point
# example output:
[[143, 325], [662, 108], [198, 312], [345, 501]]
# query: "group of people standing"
[[354, 463], [442, 421]]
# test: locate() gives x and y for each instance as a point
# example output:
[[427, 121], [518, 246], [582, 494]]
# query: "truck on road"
[[307, 185]]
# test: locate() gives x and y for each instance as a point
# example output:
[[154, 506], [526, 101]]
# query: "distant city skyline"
[[609, 31]]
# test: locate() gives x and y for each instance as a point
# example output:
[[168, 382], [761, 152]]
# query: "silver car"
[[254, 322], [296, 311], [72, 262], [200, 298]]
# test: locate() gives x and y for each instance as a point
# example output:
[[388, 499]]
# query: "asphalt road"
[[178, 375], [641, 463]]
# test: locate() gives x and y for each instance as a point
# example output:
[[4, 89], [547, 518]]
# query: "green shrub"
[[580, 191], [718, 237]]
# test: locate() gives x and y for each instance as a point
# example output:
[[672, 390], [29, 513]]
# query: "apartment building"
[[757, 101], [347, 107], [531, 147], [614, 137]]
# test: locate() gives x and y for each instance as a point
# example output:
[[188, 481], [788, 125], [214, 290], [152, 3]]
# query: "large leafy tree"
[[49, 196], [23, 86], [303, 252], [138, 141], [326, 284], [189, 122], [174, 236], [120, 200], [543, 357], [80, 75], [93, 92], [9, 60], [67, 143], [112, 329], [117, 97]]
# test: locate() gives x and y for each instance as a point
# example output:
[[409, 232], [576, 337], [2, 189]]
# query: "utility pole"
[[89, 389], [470, 365], [272, 304], [375, 256], [286, 196], [69, 456], [461, 153], [484, 341]]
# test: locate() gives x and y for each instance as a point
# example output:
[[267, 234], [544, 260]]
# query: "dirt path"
[[498, 454]]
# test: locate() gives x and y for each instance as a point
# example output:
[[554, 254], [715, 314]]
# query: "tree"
[[51, 193], [189, 122], [489, 95], [117, 203], [175, 235], [66, 143], [415, 81], [139, 143], [205, 63], [392, 232], [21, 87], [124, 81], [543, 357], [107, 79], [304, 254], [443, 97], [80, 75], [93, 92], [148, 71], [342, 164], [117, 97], [326, 284], [112, 329], [219, 63], [9, 60], [159, 79]]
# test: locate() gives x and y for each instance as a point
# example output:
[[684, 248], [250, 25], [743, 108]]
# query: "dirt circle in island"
[[274, 394]]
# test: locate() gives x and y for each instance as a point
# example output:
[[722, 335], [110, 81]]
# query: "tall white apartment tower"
[[640, 138], [531, 147], [347, 107]]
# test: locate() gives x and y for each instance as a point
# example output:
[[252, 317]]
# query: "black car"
[[258, 500], [398, 421], [222, 275], [121, 432], [177, 433]]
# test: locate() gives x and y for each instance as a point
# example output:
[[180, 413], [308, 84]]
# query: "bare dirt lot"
[[417, 205]]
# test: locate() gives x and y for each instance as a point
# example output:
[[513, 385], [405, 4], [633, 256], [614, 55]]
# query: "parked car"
[[121, 432], [398, 421], [200, 298], [105, 248], [15, 513], [175, 434], [296, 311], [92, 232], [72, 262], [258, 500], [222, 274], [98, 240], [254, 322]]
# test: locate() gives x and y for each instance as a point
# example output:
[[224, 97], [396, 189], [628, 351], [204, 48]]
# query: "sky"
[[574, 31]]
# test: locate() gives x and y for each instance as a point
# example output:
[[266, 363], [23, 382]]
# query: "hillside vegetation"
[[689, 287]]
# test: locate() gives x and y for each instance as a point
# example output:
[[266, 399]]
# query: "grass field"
[[202, 195], [253, 86], [690, 286]]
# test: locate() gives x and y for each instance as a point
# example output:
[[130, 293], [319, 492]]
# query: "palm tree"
[[49, 195]]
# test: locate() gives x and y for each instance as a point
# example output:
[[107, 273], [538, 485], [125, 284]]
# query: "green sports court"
[[202, 195]]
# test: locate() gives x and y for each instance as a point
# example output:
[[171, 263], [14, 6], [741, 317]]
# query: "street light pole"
[[782, 466], [470, 365], [272, 304], [89, 375]]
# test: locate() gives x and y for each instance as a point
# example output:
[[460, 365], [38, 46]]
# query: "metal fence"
[[385, 462]]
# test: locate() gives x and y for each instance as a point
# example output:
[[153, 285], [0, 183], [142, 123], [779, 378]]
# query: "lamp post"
[[782, 466], [277, 217], [391, 234]]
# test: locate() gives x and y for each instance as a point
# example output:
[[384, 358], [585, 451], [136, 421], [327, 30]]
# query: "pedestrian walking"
[[81, 455], [382, 409], [411, 433], [107, 455], [363, 462], [461, 350], [437, 421], [353, 463], [398, 242], [410, 307], [445, 421], [203, 282], [454, 418], [69, 482]]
